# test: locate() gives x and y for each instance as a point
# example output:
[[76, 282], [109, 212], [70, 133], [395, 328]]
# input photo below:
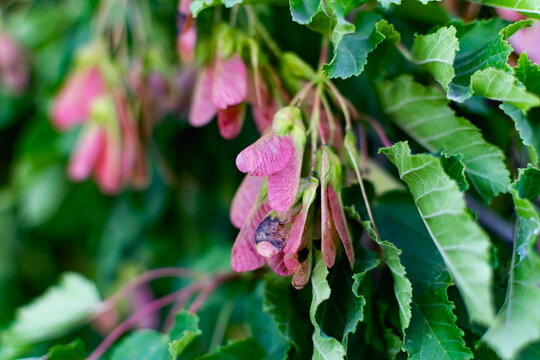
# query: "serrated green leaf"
[[498, 85], [350, 55], [515, 27], [530, 6], [248, 349], [61, 307], [324, 346], [402, 285], [454, 167], [481, 45], [303, 11], [528, 132], [432, 333], [528, 183], [436, 52], [518, 322], [460, 241], [185, 329], [264, 328], [73, 351], [279, 305], [142, 345], [424, 114], [528, 74], [389, 31]]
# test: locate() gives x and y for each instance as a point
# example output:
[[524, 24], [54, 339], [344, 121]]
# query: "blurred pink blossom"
[[14, 69], [525, 40]]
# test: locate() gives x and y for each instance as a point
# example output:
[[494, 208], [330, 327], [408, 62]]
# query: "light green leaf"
[[528, 183], [481, 45], [528, 74], [246, 349], [531, 6], [528, 132], [432, 333], [324, 346], [60, 308], [498, 85], [424, 114], [460, 241], [199, 5], [515, 27], [73, 351], [350, 55], [436, 52], [142, 345], [185, 329], [518, 322], [402, 285]]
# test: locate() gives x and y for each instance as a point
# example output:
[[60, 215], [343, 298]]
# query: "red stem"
[[139, 315], [143, 279]]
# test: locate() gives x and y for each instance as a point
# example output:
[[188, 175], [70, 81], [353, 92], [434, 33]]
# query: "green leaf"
[[142, 345], [436, 52], [199, 5], [424, 114], [246, 349], [73, 351], [498, 85], [528, 183], [531, 6], [324, 346], [41, 193], [454, 167], [481, 45], [185, 329], [528, 132], [528, 74], [432, 333], [59, 309], [264, 328], [515, 27], [518, 322], [303, 11], [281, 307], [460, 241], [350, 55], [402, 285]]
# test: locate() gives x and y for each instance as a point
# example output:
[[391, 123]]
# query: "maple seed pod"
[[270, 236]]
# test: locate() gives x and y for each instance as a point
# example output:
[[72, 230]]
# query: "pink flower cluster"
[[274, 209], [109, 146]]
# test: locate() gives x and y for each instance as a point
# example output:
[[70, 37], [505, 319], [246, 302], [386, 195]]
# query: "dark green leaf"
[[432, 333], [247, 349], [454, 167], [528, 183]]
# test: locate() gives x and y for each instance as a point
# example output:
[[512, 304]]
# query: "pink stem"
[[139, 315], [206, 292], [143, 279]]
